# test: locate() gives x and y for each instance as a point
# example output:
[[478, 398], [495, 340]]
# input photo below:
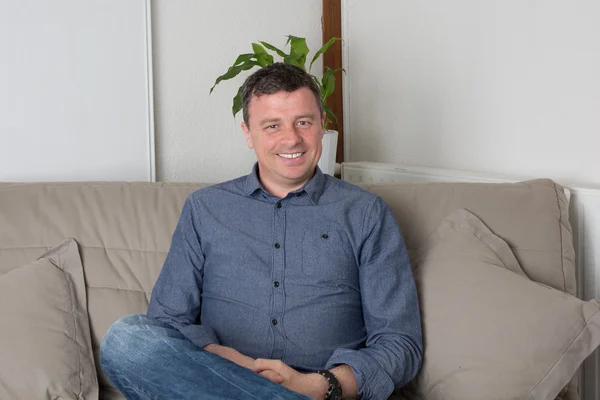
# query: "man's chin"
[[297, 176]]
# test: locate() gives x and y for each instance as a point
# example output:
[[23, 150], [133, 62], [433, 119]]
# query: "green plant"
[[297, 56]]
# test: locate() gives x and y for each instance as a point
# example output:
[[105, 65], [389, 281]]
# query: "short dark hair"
[[275, 78]]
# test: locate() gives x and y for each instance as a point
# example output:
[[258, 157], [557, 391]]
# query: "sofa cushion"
[[532, 217], [489, 331], [45, 344], [123, 230]]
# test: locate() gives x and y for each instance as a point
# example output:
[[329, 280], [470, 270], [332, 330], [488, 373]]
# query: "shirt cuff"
[[200, 335], [373, 382]]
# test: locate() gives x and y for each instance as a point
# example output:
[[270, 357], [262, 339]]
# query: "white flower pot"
[[327, 160]]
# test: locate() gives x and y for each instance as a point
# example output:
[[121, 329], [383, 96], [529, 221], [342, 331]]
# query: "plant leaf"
[[243, 58], [237, 102], [330, 115], [322, 50], [328, 82], [273, 48], [234, 71], [298, 48], [262, 57], [294, 60]]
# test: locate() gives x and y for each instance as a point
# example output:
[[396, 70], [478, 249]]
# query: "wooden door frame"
[[332, 26]]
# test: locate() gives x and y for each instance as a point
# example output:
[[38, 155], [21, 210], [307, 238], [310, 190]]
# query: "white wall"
[[75, 91], [506, 86], [197, 139]]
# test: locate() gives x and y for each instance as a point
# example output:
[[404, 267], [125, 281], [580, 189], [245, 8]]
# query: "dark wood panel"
[[332, 26]]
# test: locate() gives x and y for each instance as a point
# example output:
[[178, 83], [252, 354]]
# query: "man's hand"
[[230, 354], [240, 359], [312, 385]]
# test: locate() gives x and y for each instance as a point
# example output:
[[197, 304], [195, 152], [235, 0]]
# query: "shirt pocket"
[[327, 255]]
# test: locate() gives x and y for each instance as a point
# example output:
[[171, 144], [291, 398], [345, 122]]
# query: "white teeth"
[[286, 155]]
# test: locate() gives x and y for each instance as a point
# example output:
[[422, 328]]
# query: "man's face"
[[285, 130]]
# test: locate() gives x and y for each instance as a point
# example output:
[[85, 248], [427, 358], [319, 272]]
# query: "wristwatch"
[[334, 391]]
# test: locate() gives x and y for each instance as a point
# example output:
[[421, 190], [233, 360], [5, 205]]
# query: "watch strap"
[[334, 390]]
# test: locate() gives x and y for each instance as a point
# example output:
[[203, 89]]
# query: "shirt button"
[[276, 284], [278, 205], [274, 321], [277, 245], [324, 236]]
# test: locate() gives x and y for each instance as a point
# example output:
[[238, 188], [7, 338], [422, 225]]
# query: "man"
[[282, 284]]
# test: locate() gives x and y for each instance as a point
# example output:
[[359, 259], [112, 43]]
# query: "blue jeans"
[[148, 359]]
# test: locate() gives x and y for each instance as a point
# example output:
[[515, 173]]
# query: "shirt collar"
[[314, 187], [252, 182]]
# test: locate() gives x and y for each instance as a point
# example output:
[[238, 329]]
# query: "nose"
[[291, 136]]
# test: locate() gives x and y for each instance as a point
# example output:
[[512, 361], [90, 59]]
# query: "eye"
[[303, 123], [271, 127]]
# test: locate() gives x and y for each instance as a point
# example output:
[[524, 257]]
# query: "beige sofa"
[[490, 331]]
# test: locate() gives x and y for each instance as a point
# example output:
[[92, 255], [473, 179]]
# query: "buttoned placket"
[[278, 303]]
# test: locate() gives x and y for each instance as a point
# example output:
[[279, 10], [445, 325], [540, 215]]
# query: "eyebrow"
[[269, 120], [272, 120], [311, 116]]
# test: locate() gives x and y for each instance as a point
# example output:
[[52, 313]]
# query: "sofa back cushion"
[[531, 216]]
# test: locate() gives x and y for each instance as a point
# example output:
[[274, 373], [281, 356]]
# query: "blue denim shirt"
[[316, 279]]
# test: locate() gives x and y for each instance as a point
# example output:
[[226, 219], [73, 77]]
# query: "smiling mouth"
[[290, 155]]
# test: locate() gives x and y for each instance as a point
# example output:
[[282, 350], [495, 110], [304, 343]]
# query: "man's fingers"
[[261, 364], [272, 376], [269, 369]]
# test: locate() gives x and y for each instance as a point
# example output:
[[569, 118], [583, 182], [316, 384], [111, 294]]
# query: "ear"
[[323, 119], [246, 130]]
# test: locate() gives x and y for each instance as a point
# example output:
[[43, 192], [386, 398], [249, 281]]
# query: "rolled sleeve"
[[373, 382], [393, 350], [200, 335]]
